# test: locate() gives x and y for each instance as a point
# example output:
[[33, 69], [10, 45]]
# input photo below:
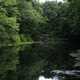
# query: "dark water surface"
[[39, 59]]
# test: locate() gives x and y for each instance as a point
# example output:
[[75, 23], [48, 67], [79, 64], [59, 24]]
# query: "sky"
[[42, 1]]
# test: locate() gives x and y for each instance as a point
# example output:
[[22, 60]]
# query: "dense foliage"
[[36, 37]]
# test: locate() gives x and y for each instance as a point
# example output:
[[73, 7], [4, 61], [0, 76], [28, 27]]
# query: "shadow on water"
[[36, 60]]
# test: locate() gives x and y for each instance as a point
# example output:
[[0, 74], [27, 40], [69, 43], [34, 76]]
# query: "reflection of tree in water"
[[62, 75], [34, 61]]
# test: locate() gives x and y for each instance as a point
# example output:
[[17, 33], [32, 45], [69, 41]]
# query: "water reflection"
[[54, 78], [35, 58], [62, 75], [43, 78]]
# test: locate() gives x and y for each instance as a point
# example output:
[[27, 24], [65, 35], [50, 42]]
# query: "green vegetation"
[[36, 37]]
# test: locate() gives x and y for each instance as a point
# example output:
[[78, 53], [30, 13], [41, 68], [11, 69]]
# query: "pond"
[[63, 75], [54, 78], [39, 62]]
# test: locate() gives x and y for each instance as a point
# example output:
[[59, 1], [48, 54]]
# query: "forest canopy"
[[36, 37]]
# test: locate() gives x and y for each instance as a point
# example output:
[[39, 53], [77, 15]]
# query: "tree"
[[31, 24], [65, 26], [9, 36], [75, 30]]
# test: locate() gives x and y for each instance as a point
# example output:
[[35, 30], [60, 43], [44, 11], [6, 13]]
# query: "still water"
[[62, 75], [36, 58], [43, 78], [54, 78]]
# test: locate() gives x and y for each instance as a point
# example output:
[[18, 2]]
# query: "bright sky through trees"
[[42, 1]]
